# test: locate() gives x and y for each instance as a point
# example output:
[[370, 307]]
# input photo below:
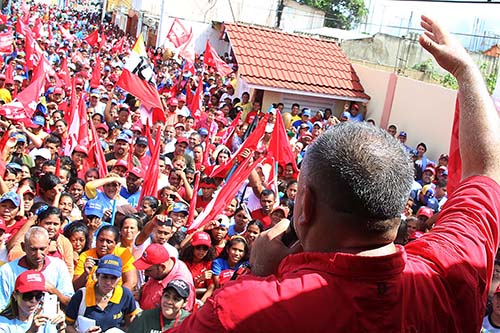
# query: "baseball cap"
[[203, 131], [93, 208], [182, 140], [14, 166], [141, 140], [180, 125], [182, 112], [415, 235], [153, 255], [178, 207], [425, 211], [444, 156], [20, 137], [110, 264], [345, 114], [223, 220], [41, 152], [123, 137], [12, 196], [201, 238], [58, 90], [137, 172], [122, 163], [173, 101], [318, 123], [30, 280], [306, 112], [18, 78], [81, 149], [403, 133], [180, 287], [304, 125], [431, 169], [39, 120], [103, 126], [222, 120]]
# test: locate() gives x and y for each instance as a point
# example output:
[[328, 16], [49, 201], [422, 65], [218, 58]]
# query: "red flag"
[[279, 146], [103, 40], [58, 167], [3, 19], [186, 50], [93, 38], [227, 132], [196, 103], [96, 153], [130, 156], [33, 51], [66, 34], [148, 135], [77, 57], [6, 40], [251, 143], [211, 58], [64, 73], [37, 28], [150, 186], [455, 160], [138, 78], [96, 73], [21, 26], [78, 129], [9, 70], [226, 194], [119, 46], [192, 203], [177, 34]]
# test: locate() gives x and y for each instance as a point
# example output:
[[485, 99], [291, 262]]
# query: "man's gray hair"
[[35, 231]]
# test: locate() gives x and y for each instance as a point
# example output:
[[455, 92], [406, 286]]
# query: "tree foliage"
[[342, 14]]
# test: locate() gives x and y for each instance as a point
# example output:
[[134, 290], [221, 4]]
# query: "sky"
[[394, 17]]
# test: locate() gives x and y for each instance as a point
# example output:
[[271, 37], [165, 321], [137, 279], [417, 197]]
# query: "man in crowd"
[[345, 273]]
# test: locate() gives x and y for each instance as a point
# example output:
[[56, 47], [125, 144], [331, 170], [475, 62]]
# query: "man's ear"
[[309, 205], [22, 246]]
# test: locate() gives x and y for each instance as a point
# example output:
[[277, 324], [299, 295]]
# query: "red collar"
[[23, 263]]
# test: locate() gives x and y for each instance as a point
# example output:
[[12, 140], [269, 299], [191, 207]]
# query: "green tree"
[[342, 14]]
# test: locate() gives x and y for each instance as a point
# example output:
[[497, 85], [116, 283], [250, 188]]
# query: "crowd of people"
[[86, 232]]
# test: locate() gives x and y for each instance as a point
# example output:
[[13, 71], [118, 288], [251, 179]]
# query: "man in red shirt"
[[267, 201], [346, 274]]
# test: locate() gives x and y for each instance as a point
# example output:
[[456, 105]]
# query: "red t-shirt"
[[438, 283], [197, 270], [259, 215]]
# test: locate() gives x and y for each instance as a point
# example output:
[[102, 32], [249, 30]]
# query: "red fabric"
[[9, 70], [33, 51], [197, 270], [66, 34], [145, 92], [279, 146], [178, 34], [119, 46], [186, 50], [96, 153], [64, 73], [150, 186], [95, 81], [259, 215], [194, 199], [455, 161], [93, 38], [438, 283], [195, 105], [211, 58], [37, 28], [6, 40]]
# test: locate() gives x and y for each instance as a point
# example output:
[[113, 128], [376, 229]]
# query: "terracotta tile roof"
[[273, 58]]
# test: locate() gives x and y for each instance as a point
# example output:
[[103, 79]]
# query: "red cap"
[[431, 169], [182, 140], [103, 126], [30, 281], [81, 149], [415, 235], [222, 120], [58, 90], [173, 101], [137, 172], [153, 255], [121, 163], [2, 225], [201, 238], [497, 290], [425, 211]]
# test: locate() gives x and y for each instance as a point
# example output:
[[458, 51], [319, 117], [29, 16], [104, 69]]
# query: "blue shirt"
[[121, 304], [55, 271], [132, 198], [220, 264], [17, 326]]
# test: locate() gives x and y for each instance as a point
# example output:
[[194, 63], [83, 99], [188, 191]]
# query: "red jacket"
[[437, 284]]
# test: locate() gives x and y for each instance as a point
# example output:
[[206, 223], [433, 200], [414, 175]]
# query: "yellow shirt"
[[122, 252]]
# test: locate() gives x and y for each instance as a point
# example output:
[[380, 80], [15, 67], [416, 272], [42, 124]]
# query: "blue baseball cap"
[[203, 131], [179, 207], [93, 208], [306, 112], [12, 196], [39, 120], [15, 166], [346, 114], [110, 264], [124, 137], [20, 137]]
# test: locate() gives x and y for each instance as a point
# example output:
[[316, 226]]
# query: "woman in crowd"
[[131, 225], [241, 219], [218, 233], [170, 313], [78, 235], [149, 205], [50, 218], [254, 229], [24, 312], [235, 254], [103, 300], [106, 243], [198, 257], [76, 187], [66, 205]]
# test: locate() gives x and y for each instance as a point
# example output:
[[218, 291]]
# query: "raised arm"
[[479, 122]]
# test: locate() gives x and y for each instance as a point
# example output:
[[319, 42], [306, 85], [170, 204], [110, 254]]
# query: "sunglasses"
[[29, 296]]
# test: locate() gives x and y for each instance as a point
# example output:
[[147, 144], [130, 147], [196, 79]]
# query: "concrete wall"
[[382, 49], [425, 111]]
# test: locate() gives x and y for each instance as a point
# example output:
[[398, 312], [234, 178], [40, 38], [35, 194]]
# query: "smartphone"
[[49, 305], [95, 260], [289, 237]]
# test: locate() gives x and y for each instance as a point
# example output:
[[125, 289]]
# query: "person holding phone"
[[26, 312]]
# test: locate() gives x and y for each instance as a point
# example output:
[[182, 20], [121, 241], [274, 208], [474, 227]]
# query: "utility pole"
[[279, 12], [160, 25]]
